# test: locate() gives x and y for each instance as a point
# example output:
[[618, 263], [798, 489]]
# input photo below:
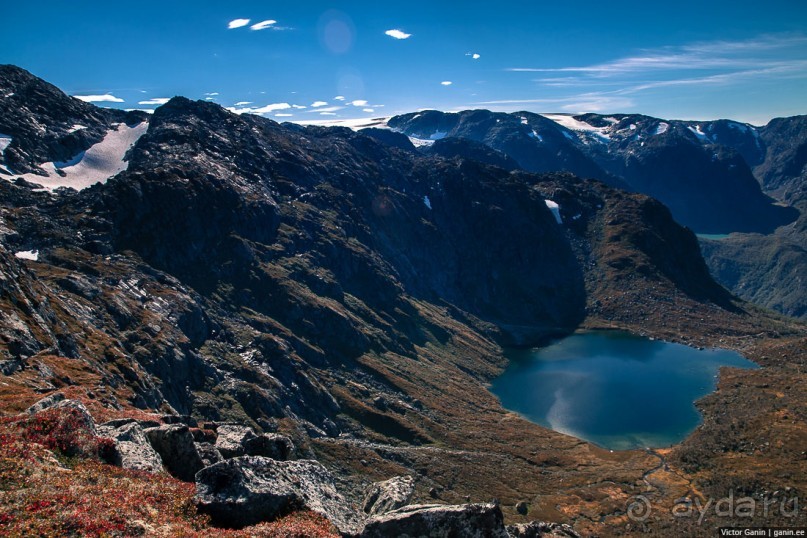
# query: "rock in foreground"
[[389, 495], [132, 449], [250, 489], [436, 520]]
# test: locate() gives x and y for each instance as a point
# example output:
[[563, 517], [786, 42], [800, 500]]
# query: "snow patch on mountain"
[[356, 123], [555, 209], [696, 130], [32, 255], [420, 142], [661, 128], [571, 123], [96, 165]]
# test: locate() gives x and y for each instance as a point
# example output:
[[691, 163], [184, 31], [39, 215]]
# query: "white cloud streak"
[[155, 101], [237, 23], [317, 104], [106, 98], [263, 25], [716, 55], [446, 83], [326, 109], [260, 110], [398, 34], [359, 102]]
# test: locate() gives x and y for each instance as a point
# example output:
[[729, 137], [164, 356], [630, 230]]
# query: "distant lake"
[[613, 389], [713, 237]]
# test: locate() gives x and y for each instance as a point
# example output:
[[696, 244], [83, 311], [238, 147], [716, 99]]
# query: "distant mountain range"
[[716, 177], [701, 170]]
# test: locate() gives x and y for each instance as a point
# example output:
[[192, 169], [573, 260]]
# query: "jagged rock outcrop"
[[208, 453], [438, 520], [132, 449], [249, 489], [230, 439], [83, 419], [270, 445], [389, 495], [541, 529], [174, 443]]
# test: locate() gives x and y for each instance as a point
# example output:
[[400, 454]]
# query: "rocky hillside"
[[344, 291], [769, 269]]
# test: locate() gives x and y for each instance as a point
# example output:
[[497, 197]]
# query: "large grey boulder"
[[270, 445], [58, 401], [174, 443], [389, 495], [132, 449], [231, 438], [249, 489], [46, 403], [439, 521], [208, 453]]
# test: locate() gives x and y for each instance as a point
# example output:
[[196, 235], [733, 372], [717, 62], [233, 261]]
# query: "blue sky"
[[691, 60]]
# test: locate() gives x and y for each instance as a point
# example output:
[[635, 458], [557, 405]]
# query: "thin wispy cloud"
[[155, 101], [398, 34], [267, 109], [263, 25], [318, 104], [339, 98], [359, 102], [718, 55], [237, 23], [584, 102], [368, 110], [300, 107], [105, 98], [242, 103], [632, 80], [326, 109], [281, 115]]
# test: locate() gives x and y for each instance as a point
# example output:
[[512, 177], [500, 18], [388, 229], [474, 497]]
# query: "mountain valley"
[[353, 293]]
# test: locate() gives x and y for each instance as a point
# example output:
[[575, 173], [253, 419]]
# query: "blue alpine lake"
[[614, 389]]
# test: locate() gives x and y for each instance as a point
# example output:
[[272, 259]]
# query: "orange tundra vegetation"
[[54, 482]]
